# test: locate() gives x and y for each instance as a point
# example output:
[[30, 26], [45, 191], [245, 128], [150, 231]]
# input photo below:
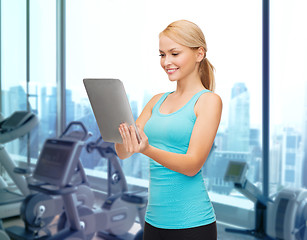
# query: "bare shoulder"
[[152, 102], [157, 97], [209, 101], [210, 97]]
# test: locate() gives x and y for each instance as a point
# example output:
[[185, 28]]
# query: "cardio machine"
[[119, 196], [55, 169], [118, 213], [283, 218], [38, 210], [15, 126]]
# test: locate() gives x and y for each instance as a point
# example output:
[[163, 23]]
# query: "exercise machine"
[[119, 196], [118, 213], [54, 174], [38, 210], [287, 216], [284, 217], [15, 126]]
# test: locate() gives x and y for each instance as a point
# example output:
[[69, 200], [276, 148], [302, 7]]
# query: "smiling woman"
[[177, 131]]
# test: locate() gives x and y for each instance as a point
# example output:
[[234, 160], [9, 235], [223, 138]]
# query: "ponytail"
[[206, 71]]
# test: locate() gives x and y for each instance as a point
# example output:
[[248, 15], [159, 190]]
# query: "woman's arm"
[[208, 111], [120, 149]]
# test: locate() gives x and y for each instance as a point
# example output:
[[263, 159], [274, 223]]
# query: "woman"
[[177, 131]]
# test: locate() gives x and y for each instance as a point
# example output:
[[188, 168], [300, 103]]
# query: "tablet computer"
[[110, 105]]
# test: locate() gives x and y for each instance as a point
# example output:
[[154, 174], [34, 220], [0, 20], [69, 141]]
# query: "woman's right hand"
[[130, 142]]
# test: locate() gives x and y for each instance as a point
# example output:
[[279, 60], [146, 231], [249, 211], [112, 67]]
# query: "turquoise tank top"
[[175, 201]]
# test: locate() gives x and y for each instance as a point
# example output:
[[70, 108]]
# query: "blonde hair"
[[190, 35]]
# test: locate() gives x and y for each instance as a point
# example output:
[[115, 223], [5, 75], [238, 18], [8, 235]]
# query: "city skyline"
[[238, 141]]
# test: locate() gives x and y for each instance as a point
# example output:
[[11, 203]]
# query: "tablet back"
[[110, 105]]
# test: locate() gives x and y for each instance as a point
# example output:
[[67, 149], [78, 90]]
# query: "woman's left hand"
[[130, 140]]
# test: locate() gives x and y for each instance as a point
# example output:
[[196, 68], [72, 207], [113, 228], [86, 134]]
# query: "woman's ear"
[[200, 54]]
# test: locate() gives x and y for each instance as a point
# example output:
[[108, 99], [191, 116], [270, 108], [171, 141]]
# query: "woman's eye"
[[173, 54]]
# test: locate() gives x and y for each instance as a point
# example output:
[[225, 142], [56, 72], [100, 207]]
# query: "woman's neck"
[[188, 86]]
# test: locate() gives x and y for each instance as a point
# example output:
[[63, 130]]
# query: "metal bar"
[[265, 94], [28, 75], [9, 165], [0, 58], [27, 52], [61, 65]]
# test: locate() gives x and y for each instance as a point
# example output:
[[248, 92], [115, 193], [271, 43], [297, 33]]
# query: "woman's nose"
[[167, 60]]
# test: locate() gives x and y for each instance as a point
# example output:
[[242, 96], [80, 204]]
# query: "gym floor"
[[222, 234]]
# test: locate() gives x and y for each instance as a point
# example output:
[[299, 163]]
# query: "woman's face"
[[178, 61]]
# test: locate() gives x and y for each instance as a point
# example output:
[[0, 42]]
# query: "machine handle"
[[86, 133], [101, 146]]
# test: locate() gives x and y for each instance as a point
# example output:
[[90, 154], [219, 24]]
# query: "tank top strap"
[[194, 99], [160, 101]]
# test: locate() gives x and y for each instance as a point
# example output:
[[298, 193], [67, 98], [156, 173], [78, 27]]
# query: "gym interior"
[[60, 180]]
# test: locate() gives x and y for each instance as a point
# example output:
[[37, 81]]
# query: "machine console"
[[57, 161], [236, 172]]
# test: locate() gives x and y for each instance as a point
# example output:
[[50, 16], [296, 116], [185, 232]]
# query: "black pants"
[[206, 232]]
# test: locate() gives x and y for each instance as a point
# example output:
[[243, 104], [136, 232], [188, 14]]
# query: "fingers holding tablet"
[[131, 138]]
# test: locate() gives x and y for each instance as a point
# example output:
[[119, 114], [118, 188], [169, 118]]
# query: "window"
[[42, 85], [290, 158], [100, 49], [13, 56], [36, 60], [289, 176], [288, 114], [13, 69]]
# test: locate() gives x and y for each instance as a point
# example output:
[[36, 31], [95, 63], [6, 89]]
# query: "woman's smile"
[[171, 70]]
